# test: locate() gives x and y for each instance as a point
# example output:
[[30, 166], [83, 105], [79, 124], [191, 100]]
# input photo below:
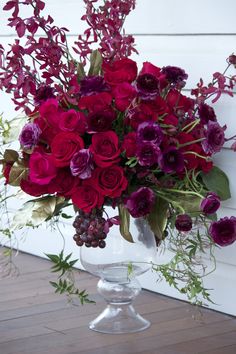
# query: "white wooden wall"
[[195, 35]]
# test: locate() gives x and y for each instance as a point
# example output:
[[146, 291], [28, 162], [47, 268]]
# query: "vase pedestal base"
[[118, 319]]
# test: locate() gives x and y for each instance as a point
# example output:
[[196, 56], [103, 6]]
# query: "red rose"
[[177, 101], [73, 121], [110, 181], [149, 68], [95, 102], [64, 183], [48, 132], [123, 94], [86, 197], [129, 144], [123, 70], [139, 114], [170, 119], [64, 146], [6, 171], [41, 168], [105, 148], [32, 188]]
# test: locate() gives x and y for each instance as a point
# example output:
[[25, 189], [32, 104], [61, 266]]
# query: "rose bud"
[[210, 204], [183, 223]]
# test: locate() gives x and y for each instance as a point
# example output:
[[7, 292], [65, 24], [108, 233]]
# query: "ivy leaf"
[[125, 223], [217, 181], [157, 219], [95, 63]]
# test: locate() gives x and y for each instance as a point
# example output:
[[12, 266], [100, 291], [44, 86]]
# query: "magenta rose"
[[223, 231], [124, 94], [129, 144], [73, 121], [86, 197], [96, 102], [64, 146], [123, 70], [41, 168], [32, 188], [110, 181], [105, 148], [49, 110], [63, 184]]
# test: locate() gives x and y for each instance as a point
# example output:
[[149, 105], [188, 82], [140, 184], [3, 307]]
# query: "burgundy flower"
[[82, 164], [100, 121], [215, 138], [206, 113], [147, 86], [175, 75], [90, 85], [148, 154], [183, 223], [29, 135], [210, 204], [149, 132], [171, 160], [223, 231], [140, 202], [43, 93]]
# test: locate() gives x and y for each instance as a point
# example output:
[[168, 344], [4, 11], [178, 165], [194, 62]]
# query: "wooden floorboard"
[[34, 320]]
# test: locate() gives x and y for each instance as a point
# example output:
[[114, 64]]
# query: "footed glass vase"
[[118, 265]]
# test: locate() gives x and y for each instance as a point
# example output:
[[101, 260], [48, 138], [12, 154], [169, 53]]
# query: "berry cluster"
[[91, 229]]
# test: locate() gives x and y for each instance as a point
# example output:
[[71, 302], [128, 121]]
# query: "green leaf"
[[157, 219], [80, 71], [217, 181], [125, 223], [95, 63]]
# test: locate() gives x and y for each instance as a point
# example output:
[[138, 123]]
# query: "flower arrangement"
[[101, 132]]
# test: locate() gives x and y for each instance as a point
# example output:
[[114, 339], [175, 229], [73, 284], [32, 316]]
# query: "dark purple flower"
[[215, 138], [149, 132], [147, 154], [43, 93], [183, 223], [100, 121], [29, 136], [210, 204], [206, 113], [140, 202], [90, 85], [81, 164], [147, 86], [171, 160], [223, 231], [175, 75]]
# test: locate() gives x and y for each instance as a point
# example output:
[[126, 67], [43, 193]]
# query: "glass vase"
[[118, 265]]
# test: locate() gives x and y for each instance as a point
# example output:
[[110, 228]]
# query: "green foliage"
[[125, 223], [95, 63], [217, 181], [66, 284], [157, 219]]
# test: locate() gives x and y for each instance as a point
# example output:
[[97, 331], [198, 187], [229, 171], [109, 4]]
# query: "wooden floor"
[[34, 320]]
